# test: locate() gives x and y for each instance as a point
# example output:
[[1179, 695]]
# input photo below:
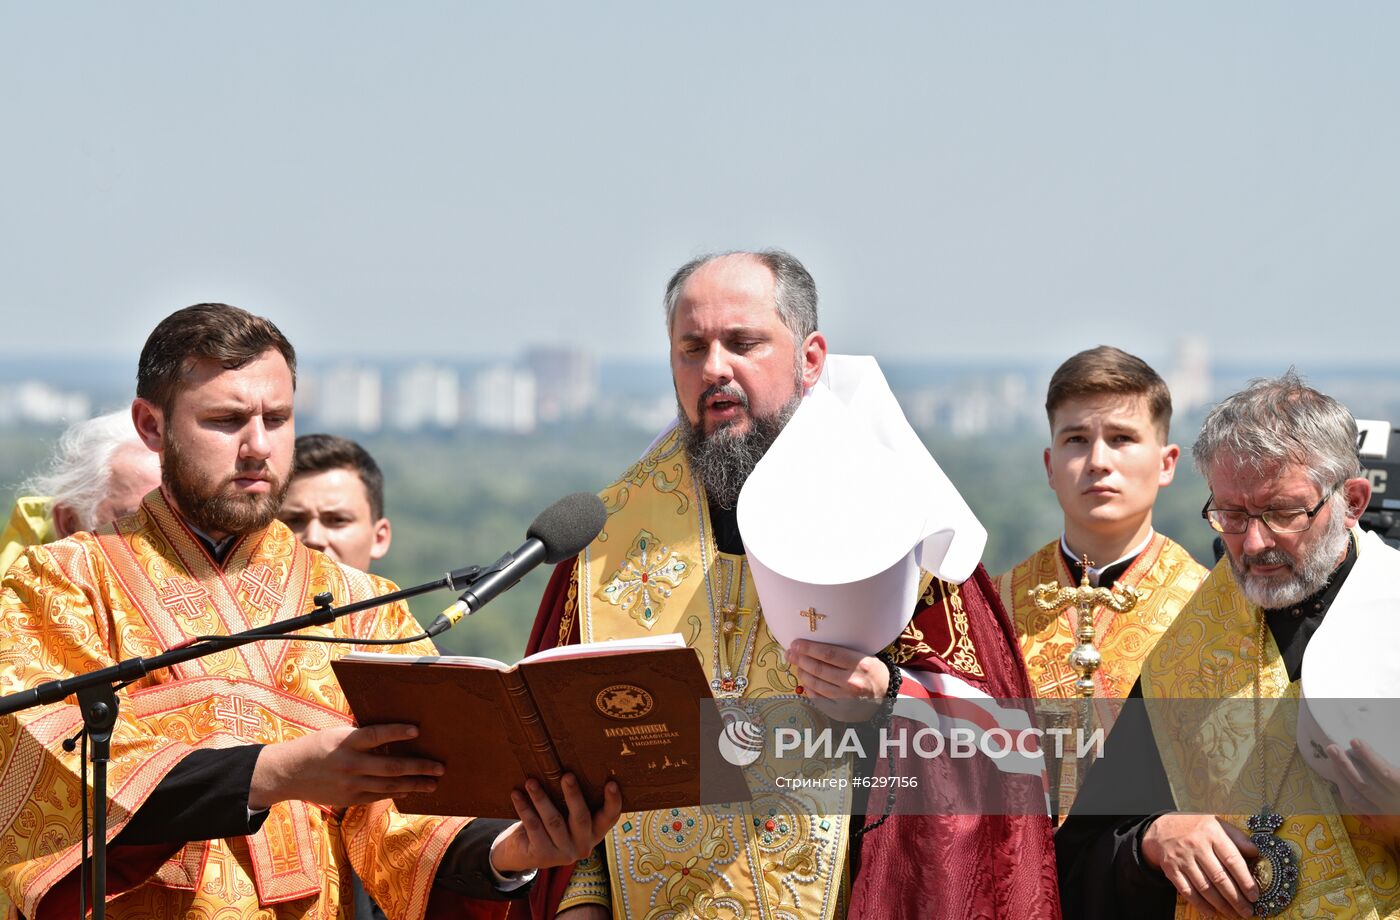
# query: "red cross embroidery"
[[261, 586], [1058, 676], [182, 596], [239, 716]]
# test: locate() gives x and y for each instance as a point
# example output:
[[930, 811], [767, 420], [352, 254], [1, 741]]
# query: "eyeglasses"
[[1279, 520]]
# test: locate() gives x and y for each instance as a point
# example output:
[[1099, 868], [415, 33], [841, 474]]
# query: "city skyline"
[[545, 387]]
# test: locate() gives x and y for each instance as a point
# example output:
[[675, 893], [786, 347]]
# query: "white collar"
[[1096, 570]]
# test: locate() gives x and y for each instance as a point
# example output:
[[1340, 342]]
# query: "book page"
[[610, 647], [467, 661]]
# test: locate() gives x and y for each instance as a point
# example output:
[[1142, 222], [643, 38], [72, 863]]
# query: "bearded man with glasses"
[[1286, 494], [1285, 568]]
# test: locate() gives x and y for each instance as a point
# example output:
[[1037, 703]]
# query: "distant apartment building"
[[503, 399], [566, 382], [350, 398], [1189, 377], [427, 396], [974, 406], [33, 402]]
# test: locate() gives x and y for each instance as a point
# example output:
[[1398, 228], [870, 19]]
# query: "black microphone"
[[560, 531]]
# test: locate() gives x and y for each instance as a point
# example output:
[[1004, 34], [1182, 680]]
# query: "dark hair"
[[1109, 371], [212, 331], [318, 453]]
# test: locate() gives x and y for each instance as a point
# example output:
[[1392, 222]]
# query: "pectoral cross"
[[812, 617], [1051, 598]]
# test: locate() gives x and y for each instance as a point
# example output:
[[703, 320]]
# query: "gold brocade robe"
[[139, 587], [1165, 576], [1211, 653], [30, 525], [655, 569]]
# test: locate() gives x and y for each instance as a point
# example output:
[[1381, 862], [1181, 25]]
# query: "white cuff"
[[507, 881]]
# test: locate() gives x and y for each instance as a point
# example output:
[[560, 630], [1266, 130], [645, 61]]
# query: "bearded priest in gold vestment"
[[240, 785], [744, 347]]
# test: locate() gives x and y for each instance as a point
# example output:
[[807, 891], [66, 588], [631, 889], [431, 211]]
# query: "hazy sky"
[[468, 178]]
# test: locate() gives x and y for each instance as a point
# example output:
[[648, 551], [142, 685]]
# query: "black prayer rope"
[[882, 719]]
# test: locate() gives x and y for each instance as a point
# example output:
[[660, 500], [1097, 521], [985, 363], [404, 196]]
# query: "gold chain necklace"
[[732, 638], [1277, 868]]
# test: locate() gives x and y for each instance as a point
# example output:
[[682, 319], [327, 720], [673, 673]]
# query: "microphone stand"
[[97, 694]]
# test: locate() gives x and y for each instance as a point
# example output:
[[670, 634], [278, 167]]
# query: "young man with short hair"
[[1109, 455], [335, 503]]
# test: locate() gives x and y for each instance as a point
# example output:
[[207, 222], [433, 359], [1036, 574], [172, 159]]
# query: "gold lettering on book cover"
[[624, 701]]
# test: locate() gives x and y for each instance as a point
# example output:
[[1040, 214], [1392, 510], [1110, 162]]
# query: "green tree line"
[[467, 498]]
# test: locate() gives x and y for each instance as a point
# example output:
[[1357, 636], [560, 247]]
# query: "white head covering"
[[1351, 669], [844, 509]]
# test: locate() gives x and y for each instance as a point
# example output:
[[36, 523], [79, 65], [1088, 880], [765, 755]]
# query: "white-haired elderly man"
[[1235, 815], [100, 472]]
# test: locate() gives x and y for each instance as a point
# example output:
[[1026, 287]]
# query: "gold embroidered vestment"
[[139, 587], [656, 569], [1211, 653], [1165, 575]]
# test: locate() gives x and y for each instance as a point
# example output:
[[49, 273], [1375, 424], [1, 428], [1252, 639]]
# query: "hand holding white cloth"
[[844, 509]]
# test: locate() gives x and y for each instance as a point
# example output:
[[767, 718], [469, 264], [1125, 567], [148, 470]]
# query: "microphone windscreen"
[[568, 525]]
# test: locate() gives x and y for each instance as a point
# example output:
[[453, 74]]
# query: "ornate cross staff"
[[1052, 598], [1084, 659]]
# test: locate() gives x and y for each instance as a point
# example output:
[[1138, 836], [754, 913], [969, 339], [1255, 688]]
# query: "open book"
[[628, 709]]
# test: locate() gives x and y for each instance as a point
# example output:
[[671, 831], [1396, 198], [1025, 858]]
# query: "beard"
[[1309, 574], [217, 507], [722, 460]]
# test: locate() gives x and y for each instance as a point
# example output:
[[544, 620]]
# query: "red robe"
[[954, 866]]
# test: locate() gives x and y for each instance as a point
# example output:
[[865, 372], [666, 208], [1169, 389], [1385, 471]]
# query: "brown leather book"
[[629, 710]]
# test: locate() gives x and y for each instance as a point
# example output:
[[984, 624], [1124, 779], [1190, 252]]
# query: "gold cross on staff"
[[1052, 598], [812, 617]]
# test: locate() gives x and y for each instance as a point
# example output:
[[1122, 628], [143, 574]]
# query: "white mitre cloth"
[[844, 509], [1351, 668]]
